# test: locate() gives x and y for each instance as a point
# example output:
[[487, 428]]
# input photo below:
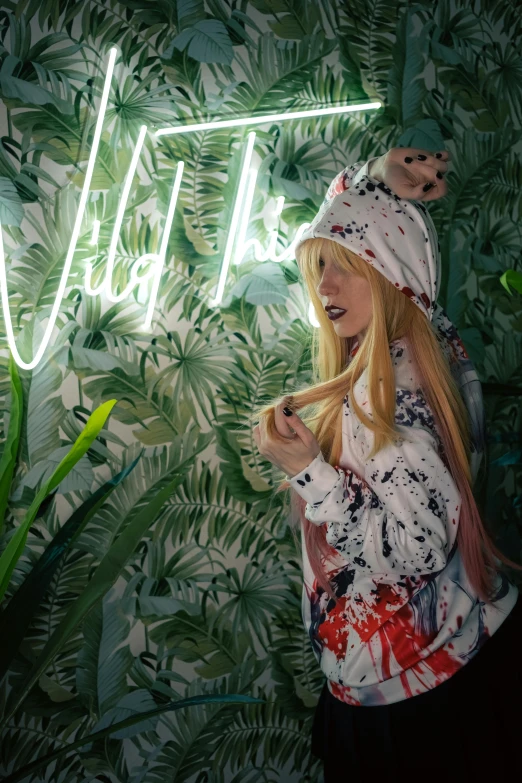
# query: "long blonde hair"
[[394, 317]]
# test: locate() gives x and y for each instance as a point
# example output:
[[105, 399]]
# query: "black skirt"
[[468, 728]]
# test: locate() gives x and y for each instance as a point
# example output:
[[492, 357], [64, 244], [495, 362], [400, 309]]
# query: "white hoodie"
[[406, 618]]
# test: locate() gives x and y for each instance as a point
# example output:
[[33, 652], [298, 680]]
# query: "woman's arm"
[[401, 517], [405, 171]]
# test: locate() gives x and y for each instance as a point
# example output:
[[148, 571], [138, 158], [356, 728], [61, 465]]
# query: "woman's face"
[[346, 290]]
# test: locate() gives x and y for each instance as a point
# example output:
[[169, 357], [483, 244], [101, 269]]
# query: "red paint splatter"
[[462, 347], [425, 299], [348, 205], [400, 229], [370, 253], [341, 692], [387, 601], [398, 635], [337, 228], [405, 685], [386, 655], [333, 632], [406, 290]]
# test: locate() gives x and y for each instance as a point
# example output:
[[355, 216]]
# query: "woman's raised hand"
[[407, 170], [293, 446]]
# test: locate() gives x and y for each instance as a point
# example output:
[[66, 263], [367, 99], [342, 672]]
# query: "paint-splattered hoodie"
[[406, 618]]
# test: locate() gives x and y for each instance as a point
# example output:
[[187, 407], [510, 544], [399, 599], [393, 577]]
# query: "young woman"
[[416, 628]]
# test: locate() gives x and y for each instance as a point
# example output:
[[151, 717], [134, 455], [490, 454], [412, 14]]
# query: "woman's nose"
[[326, 285]]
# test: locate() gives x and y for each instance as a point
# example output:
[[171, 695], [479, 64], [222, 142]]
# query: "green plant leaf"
[[406, 91], [105, 658], [513, 457], [275, 74], [17, 616], [8, 458], [15, 547], [207, 42], [102, 579], [31, 94], [226, 698], [11, 207], [265, 285], [513, 278], [190, 12]]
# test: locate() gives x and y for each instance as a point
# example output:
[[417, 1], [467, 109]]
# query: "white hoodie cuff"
[[363, 172], [315, 481]]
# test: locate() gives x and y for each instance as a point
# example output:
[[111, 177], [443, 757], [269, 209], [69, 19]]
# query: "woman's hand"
[[296, 451], [406, 170]]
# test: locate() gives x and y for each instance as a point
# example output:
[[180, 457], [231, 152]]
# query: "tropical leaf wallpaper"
[[159, 574]]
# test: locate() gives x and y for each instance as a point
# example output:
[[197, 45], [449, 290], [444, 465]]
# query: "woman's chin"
[[344, 330]]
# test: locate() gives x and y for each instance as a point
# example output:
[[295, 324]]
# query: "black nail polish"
[[408, 160], [427, 186], [287, 411], [438, 154], [422, 157], [439, 175]]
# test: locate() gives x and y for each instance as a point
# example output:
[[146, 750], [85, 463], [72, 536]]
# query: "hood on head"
[[396, 236]]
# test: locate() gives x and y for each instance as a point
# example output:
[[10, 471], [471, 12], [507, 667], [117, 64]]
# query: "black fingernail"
[[287, 411], [438, 154], [408, 160], [421, 157], [439, 175], [427, 186]]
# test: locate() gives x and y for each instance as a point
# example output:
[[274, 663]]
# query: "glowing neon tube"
[[160, 257], [290, 115], [235, 218], [238, 227], [72, 245], [107, 284]]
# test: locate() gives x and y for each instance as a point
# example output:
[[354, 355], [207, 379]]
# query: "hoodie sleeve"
[[401, 516], [348, 177]]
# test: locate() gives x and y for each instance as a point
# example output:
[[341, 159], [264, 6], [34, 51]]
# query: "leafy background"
[[210, 601]]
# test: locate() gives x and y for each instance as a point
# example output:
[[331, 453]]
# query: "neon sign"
[[235, 248]]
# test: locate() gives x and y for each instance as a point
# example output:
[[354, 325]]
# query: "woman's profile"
[[411, 618]]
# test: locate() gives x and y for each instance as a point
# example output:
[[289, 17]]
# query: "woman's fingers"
[[439, 185], [283, 426], [433, 170], [413, 157], [437, 191], [420, 168], [441, 156]]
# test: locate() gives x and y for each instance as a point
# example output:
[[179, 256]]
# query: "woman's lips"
[[335, 316]]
